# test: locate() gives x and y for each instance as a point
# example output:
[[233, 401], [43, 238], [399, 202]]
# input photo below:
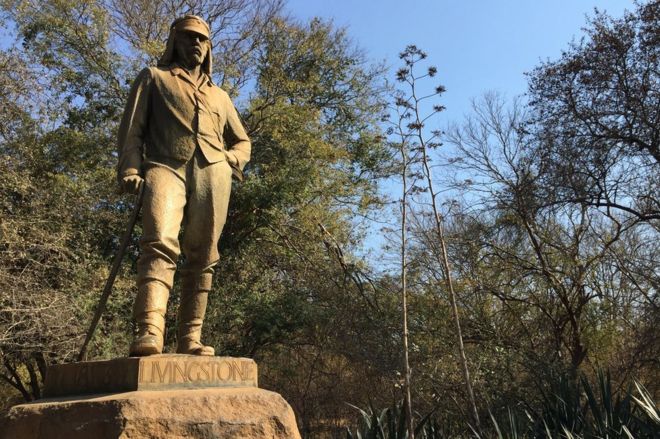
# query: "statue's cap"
[[191, 23]]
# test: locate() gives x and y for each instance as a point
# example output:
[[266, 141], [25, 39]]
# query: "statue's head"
[[188, 43]]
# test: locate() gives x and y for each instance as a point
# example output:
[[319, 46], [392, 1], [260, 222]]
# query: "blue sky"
[[477, 45]]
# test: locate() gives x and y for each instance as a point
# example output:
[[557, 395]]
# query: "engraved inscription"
[[227, 375], [244, 372], [157, 373], [180, 372], [204, 375], [196, 371]]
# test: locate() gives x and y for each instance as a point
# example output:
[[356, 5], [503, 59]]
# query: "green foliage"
[[573, 409], [547, 281], [596, 111], [390, 423], [284, 284]]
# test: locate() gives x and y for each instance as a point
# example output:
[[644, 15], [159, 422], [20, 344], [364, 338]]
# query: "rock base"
[[225, 413]]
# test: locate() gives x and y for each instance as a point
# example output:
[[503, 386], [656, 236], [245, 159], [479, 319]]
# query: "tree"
[[293, 293], [597, 110], [551, 259]]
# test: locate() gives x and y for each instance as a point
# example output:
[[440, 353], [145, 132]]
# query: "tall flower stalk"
[[409, 104]]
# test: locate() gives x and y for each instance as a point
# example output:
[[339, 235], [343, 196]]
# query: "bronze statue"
[[182, 138]]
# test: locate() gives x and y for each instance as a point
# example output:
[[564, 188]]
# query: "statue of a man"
[[182, 138]]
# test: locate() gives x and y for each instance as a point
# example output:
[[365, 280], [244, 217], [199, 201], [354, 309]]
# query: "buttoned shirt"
[[168, 116]]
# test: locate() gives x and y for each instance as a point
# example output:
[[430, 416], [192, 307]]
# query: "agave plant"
[[390, 423], [577, 410], [512, 429], [609, 415], [573, 409], [647, 418], [562, 410]]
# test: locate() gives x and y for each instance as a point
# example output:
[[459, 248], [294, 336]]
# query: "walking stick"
[[113, 273]]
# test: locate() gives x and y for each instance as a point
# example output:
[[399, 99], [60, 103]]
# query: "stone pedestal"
[[156, 372], [169, 396]]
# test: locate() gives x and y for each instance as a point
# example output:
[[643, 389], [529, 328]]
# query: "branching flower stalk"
[[411, 56], [405, 163]]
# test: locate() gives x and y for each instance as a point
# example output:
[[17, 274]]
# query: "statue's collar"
[[177, 70]]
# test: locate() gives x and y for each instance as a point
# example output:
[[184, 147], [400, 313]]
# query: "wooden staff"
[[113, 273]]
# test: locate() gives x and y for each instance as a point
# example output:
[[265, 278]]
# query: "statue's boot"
[[149, 313], [194, 296]]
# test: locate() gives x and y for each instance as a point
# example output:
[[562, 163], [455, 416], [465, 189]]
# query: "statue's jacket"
[[168, 115]]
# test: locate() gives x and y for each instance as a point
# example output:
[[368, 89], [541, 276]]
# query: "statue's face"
[[191, 48]]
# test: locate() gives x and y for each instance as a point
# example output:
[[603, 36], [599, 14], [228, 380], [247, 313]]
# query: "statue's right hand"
[[131, 184]]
